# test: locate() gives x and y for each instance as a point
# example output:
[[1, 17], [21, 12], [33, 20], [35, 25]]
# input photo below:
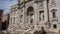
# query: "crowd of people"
[[4, 25]]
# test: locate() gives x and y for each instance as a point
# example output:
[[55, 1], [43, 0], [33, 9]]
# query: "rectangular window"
[[54, 26], [22, 10], [21, 18], [14, 19], [54, 14], [11, 20]]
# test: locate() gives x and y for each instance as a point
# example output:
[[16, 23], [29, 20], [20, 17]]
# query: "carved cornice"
[[37, 1], [24, 2]]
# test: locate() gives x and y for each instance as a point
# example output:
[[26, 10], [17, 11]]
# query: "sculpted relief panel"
[[41, 5], [53, 3]]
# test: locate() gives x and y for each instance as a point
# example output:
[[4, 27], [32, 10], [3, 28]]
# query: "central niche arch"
[[30, 14]]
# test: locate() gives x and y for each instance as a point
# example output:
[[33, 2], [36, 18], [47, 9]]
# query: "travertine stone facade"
[[31, 15]]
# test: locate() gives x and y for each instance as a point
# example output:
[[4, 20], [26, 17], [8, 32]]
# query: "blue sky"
[[6, 4]]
